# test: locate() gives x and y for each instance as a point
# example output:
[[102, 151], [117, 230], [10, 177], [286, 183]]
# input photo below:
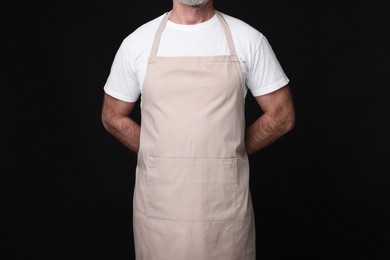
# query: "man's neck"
[[184, 14]]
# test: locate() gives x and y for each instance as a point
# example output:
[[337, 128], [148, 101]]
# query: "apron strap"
[[228, 34], [157, 36]]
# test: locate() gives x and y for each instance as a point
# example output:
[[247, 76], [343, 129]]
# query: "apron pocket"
[[191, 189]]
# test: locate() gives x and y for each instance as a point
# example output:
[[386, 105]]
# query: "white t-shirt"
[[261, 70]]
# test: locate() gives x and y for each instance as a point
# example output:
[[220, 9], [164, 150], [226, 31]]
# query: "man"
[[191, 66]]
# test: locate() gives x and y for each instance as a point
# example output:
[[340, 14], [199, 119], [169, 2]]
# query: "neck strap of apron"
[[226, 29]]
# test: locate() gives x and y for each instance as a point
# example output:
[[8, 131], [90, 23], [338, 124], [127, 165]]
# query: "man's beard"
[[193, 2]]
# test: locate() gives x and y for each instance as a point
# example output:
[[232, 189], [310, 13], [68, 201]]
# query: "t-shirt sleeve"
[[122, 81], [265, 74]]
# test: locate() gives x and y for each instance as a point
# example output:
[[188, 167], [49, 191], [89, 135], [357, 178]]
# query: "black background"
[[320, 192]]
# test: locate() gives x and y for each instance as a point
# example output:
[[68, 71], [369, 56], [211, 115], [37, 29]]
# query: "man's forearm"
[[126, 130], [264, 131]]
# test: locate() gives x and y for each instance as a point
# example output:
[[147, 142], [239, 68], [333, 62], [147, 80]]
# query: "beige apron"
[[191, 196]]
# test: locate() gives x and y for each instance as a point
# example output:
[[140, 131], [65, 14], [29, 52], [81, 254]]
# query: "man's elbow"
[[106, 120]]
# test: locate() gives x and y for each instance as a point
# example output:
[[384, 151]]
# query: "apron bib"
[[191, 196]]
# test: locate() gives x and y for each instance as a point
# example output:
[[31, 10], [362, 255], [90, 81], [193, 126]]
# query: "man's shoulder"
[[246, 36], [241, 27], [149, 27], [142, 34]]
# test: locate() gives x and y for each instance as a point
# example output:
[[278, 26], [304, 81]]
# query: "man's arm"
[[277, 119], [116, 120]]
